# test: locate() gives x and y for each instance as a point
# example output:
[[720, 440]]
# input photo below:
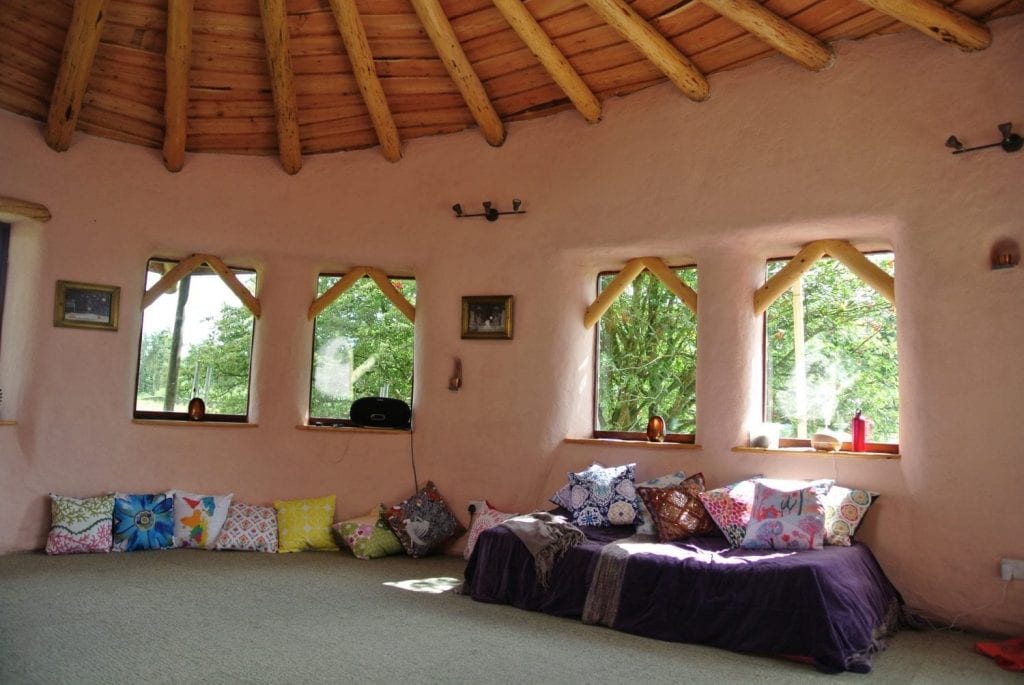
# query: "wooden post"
[[668, 277], [937, 20], [782, 281], [13, 209], [863, 268], [761, 22], [178, 60], [275, 32], [628, 274]]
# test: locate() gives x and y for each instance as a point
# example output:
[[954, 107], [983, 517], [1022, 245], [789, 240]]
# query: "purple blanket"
[[832, 606]]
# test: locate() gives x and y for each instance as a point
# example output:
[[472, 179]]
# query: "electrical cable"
[[412, 459]]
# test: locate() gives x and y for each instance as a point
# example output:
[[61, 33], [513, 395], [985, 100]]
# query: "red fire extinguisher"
[[859, 428]]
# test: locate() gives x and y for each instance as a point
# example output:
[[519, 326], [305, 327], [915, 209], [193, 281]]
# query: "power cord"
[[952, 625], [412, 459]]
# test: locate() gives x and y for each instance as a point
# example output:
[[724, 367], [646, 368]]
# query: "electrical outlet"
[[1012, 569]]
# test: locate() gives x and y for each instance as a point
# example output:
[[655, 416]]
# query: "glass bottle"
[[858, 426]]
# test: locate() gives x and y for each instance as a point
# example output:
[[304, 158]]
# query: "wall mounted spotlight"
[[1011, 142], [491, 213]]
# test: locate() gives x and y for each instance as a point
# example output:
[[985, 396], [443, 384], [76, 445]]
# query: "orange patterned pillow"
[[677, 510]]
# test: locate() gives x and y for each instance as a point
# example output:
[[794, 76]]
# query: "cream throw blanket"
[[547, 536]]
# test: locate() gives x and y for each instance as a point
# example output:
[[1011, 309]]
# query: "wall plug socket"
[[1012, 569]]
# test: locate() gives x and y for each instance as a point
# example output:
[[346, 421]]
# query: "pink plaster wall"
[[778, 157]]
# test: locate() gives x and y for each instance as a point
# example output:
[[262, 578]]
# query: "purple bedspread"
[[833, 606]]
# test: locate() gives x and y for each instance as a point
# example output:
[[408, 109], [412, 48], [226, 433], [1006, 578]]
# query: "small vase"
[[656, 429], [196, 409]]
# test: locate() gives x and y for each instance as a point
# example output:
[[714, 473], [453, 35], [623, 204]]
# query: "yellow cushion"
[[305, 524]]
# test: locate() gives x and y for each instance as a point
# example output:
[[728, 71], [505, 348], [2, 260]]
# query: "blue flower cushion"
[[143, 521], [604, 496]]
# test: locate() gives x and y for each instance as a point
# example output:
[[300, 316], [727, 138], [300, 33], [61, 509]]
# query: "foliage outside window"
[[363, 346], [647, 360], [196, 342], [843, 335]]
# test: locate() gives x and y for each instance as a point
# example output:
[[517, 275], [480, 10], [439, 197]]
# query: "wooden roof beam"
[[178, 60], [550, 57], [941, 22], [13, 209], [275, 33], [654, 46], [353, 34], [764, 24], [80, 43], [442, 35]]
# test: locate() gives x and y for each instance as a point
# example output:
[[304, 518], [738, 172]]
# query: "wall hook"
[[455, 382]]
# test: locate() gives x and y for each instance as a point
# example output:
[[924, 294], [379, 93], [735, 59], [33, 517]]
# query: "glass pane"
[[196, 342], [362, 347], [848, 341], [647, 358]]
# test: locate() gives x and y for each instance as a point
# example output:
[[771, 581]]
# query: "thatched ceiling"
[[300, 77]]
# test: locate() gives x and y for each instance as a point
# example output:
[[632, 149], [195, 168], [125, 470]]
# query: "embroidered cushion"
[[369, 537], [844, 510], [646, 524], [786, 519], [198, 519], [483, 518], [423, 522], [604, 496], [677, 509], [563, 496], [249, 528], [305, 524], [143, 521], [80, 525]]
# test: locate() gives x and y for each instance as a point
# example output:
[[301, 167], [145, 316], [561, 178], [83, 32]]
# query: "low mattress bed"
[[832, 607]]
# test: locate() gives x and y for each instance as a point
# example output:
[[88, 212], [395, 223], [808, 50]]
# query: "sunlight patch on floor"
[[434, 586]]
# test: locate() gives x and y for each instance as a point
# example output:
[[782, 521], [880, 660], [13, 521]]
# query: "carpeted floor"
[[233, 617]]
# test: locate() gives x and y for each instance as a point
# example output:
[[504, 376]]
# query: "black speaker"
[[380, 412]]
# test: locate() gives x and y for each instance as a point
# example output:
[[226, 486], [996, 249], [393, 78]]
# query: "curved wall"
[[776, 158]]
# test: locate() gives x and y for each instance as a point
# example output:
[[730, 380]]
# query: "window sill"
[[609, 442], [355, 429], [810, 452], [208, 424]]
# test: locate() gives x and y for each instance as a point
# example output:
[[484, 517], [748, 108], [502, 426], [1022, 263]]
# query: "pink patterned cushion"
[[250, 528], [483, 518], [729, 506], [80, 525], [786, 519]]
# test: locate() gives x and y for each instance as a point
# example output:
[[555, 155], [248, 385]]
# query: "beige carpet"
[[186, 616]]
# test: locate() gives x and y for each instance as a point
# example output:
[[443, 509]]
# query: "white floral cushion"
[[249, 528], [786, 519], [604, 496], [199, 518], [844, 510]]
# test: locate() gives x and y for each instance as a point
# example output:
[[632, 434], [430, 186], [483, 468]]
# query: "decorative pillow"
[[143, 521], [423, 522], [483, 518], [199, 518], [80, 525], [844, 510], [677, 510], [646, 524], [729, 508], [305, 524], [604, 496], [786, 519], [369, 537], [249, 528], [563, 496]]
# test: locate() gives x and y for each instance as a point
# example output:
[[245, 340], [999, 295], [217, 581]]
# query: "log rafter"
[[633, 268], [11, 208], [353, 34], [941, 22], [442, 35], [190, 264], [349, 279], [80, 43], [178, 59], [274, 16]]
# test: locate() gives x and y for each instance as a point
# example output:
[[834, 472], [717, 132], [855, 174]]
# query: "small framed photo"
[[86, 305], [487, 317]]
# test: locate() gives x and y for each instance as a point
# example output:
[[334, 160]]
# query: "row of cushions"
[[755, 513], [129, 522]]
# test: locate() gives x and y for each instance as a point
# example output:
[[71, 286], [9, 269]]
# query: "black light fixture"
[[491, 213], [1011, 142]]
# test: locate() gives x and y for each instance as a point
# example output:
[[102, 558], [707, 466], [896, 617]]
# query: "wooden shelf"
[[809, 452], [194, 424], [356, 429], [643, 444]]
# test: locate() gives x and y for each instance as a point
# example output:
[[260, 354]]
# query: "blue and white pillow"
[[604, 496], [646, 522], [143, 521], [563, 496]]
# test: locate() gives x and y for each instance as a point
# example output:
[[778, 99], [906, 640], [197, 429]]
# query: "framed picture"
[[487, 317], [86, 305]]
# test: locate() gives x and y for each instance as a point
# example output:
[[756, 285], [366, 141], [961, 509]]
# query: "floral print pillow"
[[604, 496], [786, 519], [80, 525], [143, 521], [844, 510], [369, 537]]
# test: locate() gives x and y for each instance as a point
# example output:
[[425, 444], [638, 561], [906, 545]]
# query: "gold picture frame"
[[86, 305], [487, 317]]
